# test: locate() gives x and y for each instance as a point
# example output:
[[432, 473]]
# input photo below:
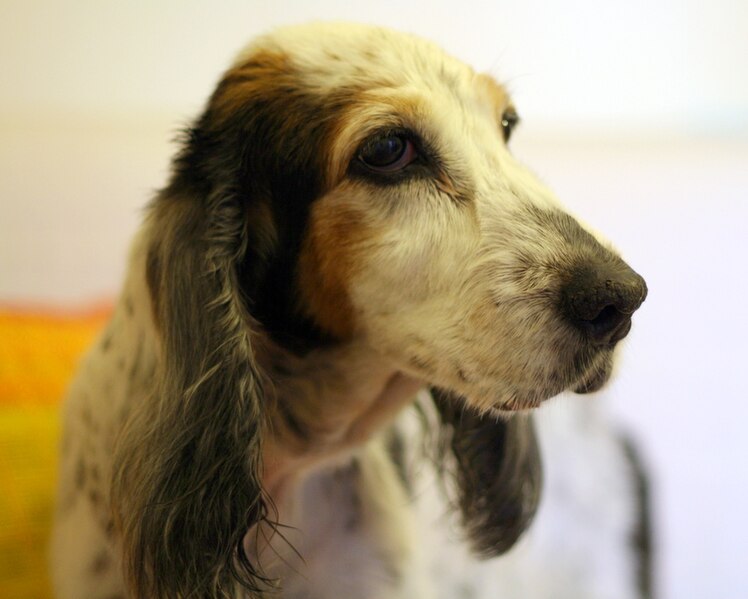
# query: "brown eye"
[[387, 153], [509, 121]]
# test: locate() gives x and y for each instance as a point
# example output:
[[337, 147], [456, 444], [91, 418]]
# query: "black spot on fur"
[[137, 364], [106, 340], [94, 473], [88, 421], [108, 527], [422, 364], [396, 451], [94, 496], [102, 562], [80, 474], [343, 490]]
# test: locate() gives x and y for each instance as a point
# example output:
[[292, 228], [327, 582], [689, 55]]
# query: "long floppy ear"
[[186, 477], [497, 471], [224, 242]]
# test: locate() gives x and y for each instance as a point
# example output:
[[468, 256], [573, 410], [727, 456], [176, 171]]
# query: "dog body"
[[344, 227]]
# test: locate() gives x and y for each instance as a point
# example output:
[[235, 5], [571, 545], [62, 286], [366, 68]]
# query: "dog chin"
[[504, 402], [517, 404], [595, 379], [592, 380]]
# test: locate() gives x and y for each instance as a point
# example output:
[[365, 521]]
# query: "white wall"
[[626, 64], [635, 113]]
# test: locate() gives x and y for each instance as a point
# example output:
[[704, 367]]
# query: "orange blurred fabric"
[[39, 351]]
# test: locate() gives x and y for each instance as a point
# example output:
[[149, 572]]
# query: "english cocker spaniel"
[[346, 273]]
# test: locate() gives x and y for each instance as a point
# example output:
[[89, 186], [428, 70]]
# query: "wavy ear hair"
[[497, 471], [186, 486], [187, 482]]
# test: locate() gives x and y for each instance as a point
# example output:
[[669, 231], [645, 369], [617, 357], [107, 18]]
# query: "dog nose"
[[599, 300]]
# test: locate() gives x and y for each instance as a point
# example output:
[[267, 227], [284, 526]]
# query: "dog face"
[[413, 228]]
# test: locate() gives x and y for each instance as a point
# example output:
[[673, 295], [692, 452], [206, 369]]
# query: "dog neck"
[[325, 404]]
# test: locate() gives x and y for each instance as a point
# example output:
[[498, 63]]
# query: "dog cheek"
[[323, 271], [339, 243]]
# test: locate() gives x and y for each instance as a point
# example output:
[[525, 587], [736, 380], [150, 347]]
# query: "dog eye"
[[509, 121], [387, 153]]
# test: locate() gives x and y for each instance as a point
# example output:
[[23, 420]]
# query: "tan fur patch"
[[245, 81], [330, 253]]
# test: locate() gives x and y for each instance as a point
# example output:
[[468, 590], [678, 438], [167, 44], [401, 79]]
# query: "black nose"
[[600, 299]]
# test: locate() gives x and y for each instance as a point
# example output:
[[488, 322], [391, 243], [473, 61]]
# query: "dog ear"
[[497, 471], [186, 484], [224, 236]]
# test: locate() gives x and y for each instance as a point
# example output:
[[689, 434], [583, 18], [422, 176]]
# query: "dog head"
[[384, 204], [352, 184]]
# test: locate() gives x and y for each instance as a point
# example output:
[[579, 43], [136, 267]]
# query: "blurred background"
[[635, 113]]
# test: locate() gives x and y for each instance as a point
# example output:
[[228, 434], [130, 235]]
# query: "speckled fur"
[[230, 434]]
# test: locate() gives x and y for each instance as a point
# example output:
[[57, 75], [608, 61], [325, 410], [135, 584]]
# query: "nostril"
[[609, 326], [609, 316]]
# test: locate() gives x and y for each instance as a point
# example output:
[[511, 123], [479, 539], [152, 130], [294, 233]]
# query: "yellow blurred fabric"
[[39, 351]]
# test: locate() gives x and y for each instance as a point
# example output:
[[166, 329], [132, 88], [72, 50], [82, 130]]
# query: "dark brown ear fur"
[[224, 238], [186, 469], [497, 471]]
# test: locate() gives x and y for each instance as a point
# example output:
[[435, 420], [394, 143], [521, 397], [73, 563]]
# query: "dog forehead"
[[330, 56], [348, 81]]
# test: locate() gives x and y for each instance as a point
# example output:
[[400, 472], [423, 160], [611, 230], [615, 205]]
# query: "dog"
[[348, 285]]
